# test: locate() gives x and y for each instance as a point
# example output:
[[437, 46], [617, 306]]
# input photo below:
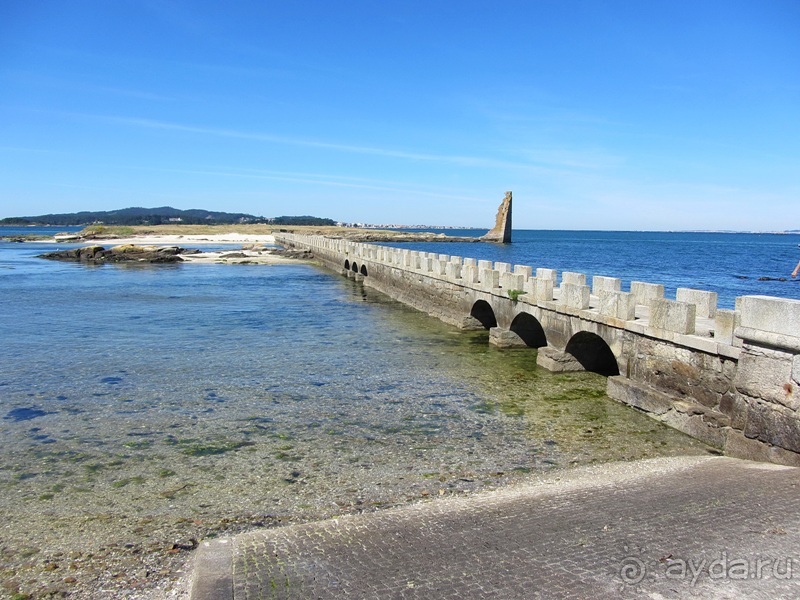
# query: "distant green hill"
[[159, 216]]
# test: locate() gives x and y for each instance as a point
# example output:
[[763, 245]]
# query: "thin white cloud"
[[467, 161], [322, 179]]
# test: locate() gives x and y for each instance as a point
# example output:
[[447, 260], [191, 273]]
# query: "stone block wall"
[[705, 302], [616, 304], [673, 316], [646, 292], [767, 383]]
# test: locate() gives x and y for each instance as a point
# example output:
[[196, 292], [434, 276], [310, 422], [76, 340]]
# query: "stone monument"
[[501, 232]]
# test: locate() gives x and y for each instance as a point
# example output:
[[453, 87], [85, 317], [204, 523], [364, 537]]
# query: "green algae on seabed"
[[213, 448], [570, 412], [394, 407]]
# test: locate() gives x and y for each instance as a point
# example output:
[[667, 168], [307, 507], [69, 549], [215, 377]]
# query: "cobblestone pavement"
[[699, 527]]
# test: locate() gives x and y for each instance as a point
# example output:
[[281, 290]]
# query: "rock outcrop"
[[120, 254], [501, 232]]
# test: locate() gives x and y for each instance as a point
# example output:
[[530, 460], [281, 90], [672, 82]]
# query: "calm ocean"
[[144, 404], [730, 264]]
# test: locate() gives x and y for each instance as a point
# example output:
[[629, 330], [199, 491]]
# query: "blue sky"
[[643, 114]]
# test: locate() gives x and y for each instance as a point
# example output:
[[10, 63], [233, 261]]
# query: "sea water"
[[146, 403], [731, 264]]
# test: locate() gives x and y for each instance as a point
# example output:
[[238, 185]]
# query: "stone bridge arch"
[[529, 330], [484, 313], [593, 353]]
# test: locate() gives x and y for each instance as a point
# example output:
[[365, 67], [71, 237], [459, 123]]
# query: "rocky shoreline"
[[356, 235], [118, 254], [131, 253]]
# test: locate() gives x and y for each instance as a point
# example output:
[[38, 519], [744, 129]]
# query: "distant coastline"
[[407, 228], [239, 233]]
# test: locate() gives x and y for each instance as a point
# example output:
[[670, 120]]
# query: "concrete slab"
[[664, 528]]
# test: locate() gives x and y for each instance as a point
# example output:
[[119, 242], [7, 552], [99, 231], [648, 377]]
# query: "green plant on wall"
[[515, 294]]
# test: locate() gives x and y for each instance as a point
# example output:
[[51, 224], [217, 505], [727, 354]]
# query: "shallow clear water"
[[159, 401]]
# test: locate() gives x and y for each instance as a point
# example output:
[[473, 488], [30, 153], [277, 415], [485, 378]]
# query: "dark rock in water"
[[293, 253], [772, 278], [234, 255], [25, 414], [741, 277], [118, 254]]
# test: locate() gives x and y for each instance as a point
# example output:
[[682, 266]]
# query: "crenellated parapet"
[[727, 377]]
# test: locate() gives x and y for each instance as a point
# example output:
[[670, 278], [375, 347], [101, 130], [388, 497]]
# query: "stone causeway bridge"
[[730, 378]]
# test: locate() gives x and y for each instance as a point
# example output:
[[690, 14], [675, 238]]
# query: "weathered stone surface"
[[469, 273], [698, 427], [681, 372], [453, 270], [767, 375], [523, 270], [620, 305], [575, 295], [724, 325], [573, 278], [700, 422], [602, 284], [646, 292], [512, 281], [540, 290], [706, 302], [557, 362], [638, 395], [490, 279], [735, 407], [672, 315], [501, 232], [551, 274], [505, 338], [775, 315], [738, 445], [773, 424]]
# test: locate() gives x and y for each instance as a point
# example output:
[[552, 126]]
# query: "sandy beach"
[[173, 240], [245, 248], [201, 239]]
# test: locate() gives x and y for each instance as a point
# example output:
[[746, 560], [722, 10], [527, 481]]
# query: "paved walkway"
[[666, 528]]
